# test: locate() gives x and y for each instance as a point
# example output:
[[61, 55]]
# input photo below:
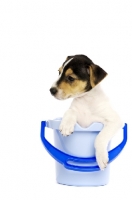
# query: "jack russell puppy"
[[79, 79]]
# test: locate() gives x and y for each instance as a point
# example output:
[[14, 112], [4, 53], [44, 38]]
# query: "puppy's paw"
[[66, 127], [102, 158]]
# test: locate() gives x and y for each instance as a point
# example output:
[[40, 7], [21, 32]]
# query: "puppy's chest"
[[88, 108], [89, 114]]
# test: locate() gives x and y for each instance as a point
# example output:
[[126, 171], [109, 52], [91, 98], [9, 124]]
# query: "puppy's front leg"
[[102, 141], [68, 122]]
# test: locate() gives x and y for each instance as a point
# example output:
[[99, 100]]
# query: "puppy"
[[79, 79]]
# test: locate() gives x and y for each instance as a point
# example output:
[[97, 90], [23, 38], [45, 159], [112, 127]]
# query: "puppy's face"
[[77, 75]]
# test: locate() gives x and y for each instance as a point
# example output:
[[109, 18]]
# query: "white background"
[[35, 38]]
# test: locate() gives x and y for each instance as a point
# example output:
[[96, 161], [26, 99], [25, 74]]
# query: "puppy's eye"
[[70, 79]]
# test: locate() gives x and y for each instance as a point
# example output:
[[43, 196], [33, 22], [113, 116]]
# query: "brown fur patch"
[[60, 70], [69, 72], [92, 78], [76, 87], [97, 74]]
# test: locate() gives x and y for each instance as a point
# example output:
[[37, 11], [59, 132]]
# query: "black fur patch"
[[99, 73]]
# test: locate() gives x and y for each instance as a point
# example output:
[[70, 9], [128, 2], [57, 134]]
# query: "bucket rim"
[[93, 127]]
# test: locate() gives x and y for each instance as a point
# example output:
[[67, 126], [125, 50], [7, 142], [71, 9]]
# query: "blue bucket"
[[75, 155]]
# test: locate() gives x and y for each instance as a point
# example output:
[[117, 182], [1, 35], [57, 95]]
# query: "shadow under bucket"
[[75, 155]]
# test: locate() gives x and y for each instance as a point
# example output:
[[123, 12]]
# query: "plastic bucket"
[[75, 155]]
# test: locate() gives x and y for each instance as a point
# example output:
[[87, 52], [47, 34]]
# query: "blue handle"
[[64, 158]]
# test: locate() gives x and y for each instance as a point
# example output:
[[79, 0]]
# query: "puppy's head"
[[77, 75]]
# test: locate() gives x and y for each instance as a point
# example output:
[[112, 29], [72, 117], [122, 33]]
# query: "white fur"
[[91, 107], [68, 62]]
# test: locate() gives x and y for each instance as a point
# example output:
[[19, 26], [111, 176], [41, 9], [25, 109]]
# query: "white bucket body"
[[80, 144]]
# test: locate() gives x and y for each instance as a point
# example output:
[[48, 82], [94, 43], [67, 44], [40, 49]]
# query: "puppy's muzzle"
[[53, 90]]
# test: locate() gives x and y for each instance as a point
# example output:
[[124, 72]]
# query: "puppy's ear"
[[97, 74]]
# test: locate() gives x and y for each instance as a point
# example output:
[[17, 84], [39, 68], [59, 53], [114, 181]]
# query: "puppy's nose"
[[53, 90]]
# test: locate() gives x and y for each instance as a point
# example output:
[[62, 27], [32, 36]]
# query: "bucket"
[[75, 155]]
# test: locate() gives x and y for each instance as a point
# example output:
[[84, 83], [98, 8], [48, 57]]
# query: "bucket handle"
[[64, 158]]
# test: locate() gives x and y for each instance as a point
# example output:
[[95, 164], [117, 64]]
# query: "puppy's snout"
[[53, 90]]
